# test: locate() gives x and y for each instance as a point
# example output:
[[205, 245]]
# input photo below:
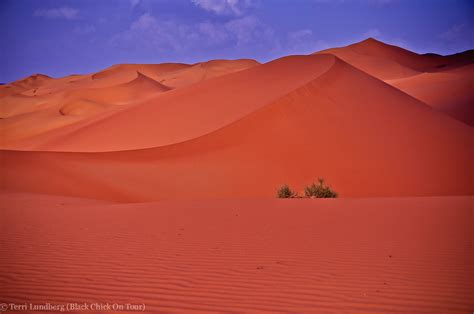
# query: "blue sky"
[[61, 37]]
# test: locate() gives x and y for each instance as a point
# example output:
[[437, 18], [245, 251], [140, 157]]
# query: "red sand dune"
[[346, 255], [30, 82], [89, 95], [390, 62], [203, 71], [139, 87], [367, 137], [186, 112], [443, 82], [448, 91]]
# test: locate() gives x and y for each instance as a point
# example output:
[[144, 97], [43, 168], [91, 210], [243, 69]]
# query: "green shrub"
[[284, 192], [319, 190]]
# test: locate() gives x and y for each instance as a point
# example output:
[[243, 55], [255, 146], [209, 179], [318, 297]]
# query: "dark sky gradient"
[[64, 37]]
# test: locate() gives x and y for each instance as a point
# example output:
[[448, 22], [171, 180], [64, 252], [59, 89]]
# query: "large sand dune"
[[447, 91], [408, 255], [42, 103], [188, 112], [380, 142], [390, 62], [443, 82]]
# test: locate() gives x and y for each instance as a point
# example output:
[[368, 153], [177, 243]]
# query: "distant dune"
[[449, 91], [443, 82]]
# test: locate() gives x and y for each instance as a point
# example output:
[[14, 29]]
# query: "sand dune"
[[37, 115], [139, 87], [347, 255], [171, 74], [397, 145], [443, 82], [203, 70], [447, 91], [30, 82], [187, 112], [391, 62], [93, 94]]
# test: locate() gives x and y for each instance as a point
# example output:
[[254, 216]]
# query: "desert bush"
[[319, 190], [284, 192]]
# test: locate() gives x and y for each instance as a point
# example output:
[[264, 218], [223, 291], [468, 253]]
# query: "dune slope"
[[185, 113], [448, 91], [386, 61], [443, 82], [380, 142]]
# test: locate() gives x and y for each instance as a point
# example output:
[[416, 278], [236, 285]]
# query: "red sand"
[[448, 91], [366, 137], [345, 255], [443, 82]]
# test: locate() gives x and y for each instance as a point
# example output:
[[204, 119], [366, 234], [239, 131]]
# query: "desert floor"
[[335, 255]]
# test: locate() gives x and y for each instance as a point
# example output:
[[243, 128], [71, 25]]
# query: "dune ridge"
[[448, 91], [443, 82], [386, 61], [306, 133], [186, 112]]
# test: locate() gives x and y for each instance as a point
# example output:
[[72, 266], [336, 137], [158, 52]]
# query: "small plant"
[[284, 192], [319, 190]]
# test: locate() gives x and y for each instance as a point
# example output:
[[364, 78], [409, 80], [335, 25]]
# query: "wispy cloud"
[[171, 35], [221, 7], [67, 13]]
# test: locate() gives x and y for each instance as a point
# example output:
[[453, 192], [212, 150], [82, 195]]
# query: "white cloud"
[[67, 13], [246, 34], [243, 29], [221, 7], [172, 35]]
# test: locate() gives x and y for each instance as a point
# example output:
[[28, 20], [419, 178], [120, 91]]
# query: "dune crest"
[[448, 91], [186, 112], [222, 124], [398, 146], [442, 82]]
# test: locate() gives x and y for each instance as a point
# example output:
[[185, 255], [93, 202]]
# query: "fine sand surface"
[[344, 255]]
